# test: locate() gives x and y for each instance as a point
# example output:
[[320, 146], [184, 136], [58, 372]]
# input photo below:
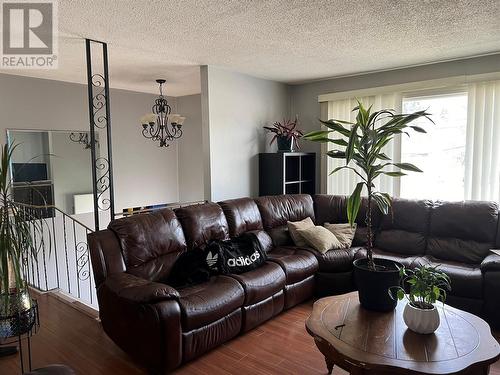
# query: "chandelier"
[[160, 126]]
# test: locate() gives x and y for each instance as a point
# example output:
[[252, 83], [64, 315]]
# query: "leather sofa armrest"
[[137, 290], [144, 319], [491, 263]]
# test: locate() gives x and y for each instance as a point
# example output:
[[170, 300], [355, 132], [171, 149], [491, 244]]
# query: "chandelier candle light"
[[156, 125]]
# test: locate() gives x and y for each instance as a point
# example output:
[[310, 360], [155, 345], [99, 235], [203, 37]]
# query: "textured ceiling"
[[284, 40]]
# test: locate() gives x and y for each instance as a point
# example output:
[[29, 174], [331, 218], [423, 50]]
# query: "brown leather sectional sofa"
[[162, 327]]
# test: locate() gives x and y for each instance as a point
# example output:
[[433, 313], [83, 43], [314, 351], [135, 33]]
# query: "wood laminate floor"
[[280, 346]]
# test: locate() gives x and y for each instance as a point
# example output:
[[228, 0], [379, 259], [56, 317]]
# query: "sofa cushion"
[[409, 261], [294, 226], [401, 241], [466, 279], [343, 232], [150, 243], [265, 240], [280, 236], [360, 236], [462, 231], [408, 214], [297, 263], [262, 282], [205, 303], [330, 208], [404, 229], [333, 209], [276, 210], [203, 223], [242, 215], [459, 250], [320, 238], [339, 260]]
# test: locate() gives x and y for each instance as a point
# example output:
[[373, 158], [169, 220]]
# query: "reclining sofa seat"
[[244, 215], [453, 236], [402, 234], [210, 312], [129, 259], [460, 237], [262, 288]]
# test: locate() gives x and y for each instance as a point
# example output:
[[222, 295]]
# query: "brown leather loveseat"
[[162, 327]]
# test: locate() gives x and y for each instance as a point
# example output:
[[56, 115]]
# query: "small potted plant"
[[286, 134], [425, 286]]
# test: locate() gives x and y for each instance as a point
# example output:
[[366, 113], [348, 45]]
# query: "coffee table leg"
[[329, 365]]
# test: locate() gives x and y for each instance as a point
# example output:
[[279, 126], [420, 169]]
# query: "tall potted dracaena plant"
[[362, 144], [17, 226]]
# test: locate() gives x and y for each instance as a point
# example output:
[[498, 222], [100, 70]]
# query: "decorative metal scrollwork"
[[82, 138], [102, 183], [82, 263], [99, 101], [99, 112]]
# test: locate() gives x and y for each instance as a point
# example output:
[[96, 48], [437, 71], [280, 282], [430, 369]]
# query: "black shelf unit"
[[287, 173]]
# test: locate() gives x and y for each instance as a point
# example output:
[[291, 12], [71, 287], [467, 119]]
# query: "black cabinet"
[[287, 173]]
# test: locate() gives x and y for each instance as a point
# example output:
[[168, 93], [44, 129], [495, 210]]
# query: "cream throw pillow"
[[320, 238], [343, 232], [293, 228]]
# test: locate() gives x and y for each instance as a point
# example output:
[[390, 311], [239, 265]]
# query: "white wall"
[[33, 147], [304, 97], [190, 150], [144, 174], [238, 107], [71, 170]]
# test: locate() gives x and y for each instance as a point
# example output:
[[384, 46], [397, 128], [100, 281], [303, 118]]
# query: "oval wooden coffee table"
[[368, 342]]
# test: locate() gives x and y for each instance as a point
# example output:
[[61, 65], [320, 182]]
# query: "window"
[[441, 152], [459, 155]]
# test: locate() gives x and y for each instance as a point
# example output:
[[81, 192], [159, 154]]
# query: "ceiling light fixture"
[[161, 125]]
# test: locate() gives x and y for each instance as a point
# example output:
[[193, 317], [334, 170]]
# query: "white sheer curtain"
[[344, 181], [482, 152]]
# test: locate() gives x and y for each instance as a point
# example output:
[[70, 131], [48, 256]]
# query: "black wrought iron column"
[[100, 125]]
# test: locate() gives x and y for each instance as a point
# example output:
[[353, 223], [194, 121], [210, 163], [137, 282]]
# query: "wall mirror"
[[53, 167]]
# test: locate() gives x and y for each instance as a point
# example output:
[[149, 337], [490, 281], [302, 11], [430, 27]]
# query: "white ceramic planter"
[[423, 321]]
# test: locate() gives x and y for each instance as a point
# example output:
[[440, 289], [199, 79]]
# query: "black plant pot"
[[17, 314], [284, 144], [373, 286]]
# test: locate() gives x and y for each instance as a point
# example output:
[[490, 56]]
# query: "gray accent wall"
[[235, 108]]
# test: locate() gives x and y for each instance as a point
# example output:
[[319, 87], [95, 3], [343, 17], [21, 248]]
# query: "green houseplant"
[[17, 226], [425, 286], [362, 144], [286, 134]]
